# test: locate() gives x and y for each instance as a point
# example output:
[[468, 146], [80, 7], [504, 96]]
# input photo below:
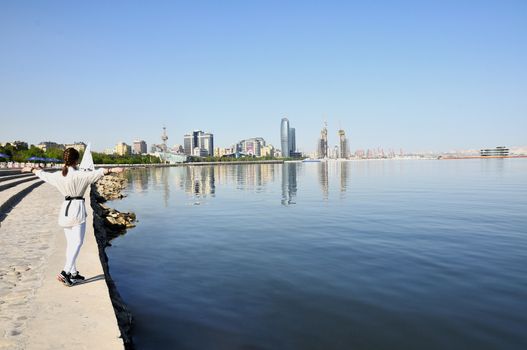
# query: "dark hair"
[[71, 156]]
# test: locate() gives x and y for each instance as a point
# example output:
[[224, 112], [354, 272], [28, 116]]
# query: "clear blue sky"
[[417, 75]]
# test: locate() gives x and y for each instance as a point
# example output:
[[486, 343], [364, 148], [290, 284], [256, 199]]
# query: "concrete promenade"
[[36, 311]]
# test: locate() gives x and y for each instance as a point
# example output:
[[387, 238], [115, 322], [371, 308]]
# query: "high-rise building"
[[343, 145], [139, 147], [284, 137], [206, 142], [203, 141], [323, 143], [122, 149], [164, 138], [188, 143], [335, 153], [288, 140], [292, 140]]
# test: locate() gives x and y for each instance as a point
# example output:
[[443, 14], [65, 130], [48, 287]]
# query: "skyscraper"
[[292, 141], [139, 147], [198, 143], [206, 142], [323, 143], [284, 137], [343, 145]]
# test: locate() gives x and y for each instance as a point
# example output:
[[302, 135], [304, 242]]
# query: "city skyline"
[[411, 75], [333, 151]]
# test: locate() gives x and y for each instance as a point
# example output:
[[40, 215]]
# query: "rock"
[[111, 220]]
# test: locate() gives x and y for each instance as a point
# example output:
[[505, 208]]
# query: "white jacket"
[[74, 184]]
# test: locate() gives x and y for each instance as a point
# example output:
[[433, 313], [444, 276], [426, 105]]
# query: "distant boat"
[[311, 161]]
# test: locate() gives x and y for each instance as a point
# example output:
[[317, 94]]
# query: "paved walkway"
[[36, 311]]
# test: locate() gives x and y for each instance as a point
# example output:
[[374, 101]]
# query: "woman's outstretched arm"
[[47, 177], [97, 174]]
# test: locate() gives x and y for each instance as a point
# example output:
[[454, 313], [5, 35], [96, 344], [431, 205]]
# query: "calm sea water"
[[337, 255]]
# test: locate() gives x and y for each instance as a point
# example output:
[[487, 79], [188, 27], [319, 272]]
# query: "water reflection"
[[343, 175], [337, 170], [323, 179], [139, 180], [198, 181], [289, 187], [202, 181]]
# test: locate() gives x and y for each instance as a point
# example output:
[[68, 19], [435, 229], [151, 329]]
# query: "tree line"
[[19, 153]]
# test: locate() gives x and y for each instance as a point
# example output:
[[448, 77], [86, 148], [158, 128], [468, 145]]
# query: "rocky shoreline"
[[109, 223]]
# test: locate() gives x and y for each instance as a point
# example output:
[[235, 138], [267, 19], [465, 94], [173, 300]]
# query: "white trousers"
[[74, 239]]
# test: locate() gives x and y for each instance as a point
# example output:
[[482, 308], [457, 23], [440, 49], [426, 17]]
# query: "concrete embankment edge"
[[122, 313]]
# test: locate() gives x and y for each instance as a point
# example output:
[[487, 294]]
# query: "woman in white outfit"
[[72, 183]]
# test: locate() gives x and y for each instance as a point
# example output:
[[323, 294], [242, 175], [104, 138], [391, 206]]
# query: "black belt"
[[68, 198]]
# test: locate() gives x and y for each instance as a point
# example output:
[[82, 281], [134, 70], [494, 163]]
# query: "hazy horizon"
[[411, 75]]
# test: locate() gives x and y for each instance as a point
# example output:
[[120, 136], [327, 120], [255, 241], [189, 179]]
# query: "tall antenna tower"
[[164, 138]]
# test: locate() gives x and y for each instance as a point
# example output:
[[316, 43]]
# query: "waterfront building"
[[199, 152], [343, 145], [178, 149], [288, 139], [206, 142], [199, 139], [267, 151], [500, 151], [323, 143], [292, 141], [284, 137], [139, 147], [188, 143], [252, 146], [223, 151], [47, 145], [122, 149], [171, 158]]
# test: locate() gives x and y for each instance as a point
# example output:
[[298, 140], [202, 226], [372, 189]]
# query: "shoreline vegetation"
[[109, 223], [21, 154]]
